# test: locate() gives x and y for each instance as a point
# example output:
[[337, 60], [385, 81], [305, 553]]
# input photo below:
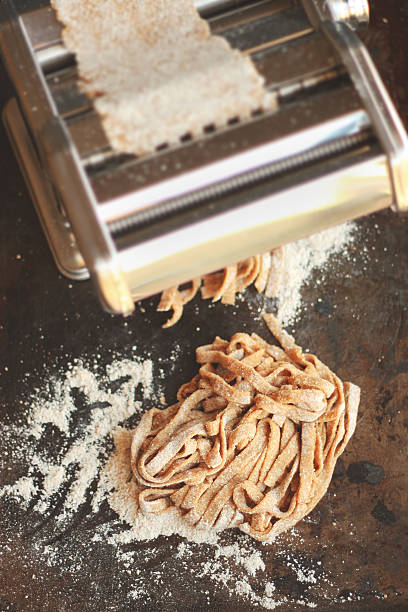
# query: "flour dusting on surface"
[[302, 258], [90, 466]]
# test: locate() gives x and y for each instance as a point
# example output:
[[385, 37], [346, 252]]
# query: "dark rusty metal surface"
[[359, 326]]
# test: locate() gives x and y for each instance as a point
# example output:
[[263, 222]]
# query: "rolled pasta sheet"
[[252, 441], [155, 71]]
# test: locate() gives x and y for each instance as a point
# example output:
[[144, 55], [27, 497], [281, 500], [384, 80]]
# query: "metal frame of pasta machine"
[[334, 150]]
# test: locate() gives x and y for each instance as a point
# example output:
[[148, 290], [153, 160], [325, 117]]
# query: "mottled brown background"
[[359, 327]]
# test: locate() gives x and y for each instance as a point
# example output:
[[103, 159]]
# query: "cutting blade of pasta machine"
[[334, 150]]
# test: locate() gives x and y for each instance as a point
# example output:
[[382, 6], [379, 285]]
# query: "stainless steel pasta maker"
[[336, 149]]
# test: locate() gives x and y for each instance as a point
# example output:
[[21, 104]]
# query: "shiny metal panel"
[[354, 13], [369, 85], [61, 162], [233, 166], [384, 116], [210, 244], [41, 25], [56, 227]]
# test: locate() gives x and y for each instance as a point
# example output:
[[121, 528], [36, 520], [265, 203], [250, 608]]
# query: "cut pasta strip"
[[264, 271]]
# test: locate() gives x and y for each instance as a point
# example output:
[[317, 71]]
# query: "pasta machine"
[[334, 150]]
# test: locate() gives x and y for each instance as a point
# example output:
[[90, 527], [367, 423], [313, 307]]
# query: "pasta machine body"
[[334, 150]]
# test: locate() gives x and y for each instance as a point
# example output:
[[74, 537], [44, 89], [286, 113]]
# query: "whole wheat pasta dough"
[[155, 72], [252, 440]]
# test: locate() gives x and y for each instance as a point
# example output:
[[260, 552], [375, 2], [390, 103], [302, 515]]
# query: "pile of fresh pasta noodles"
[[252, 440]]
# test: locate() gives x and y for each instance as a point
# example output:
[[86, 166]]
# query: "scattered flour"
[[24, 489], [106, 410], [82, 471], [301, 259]]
